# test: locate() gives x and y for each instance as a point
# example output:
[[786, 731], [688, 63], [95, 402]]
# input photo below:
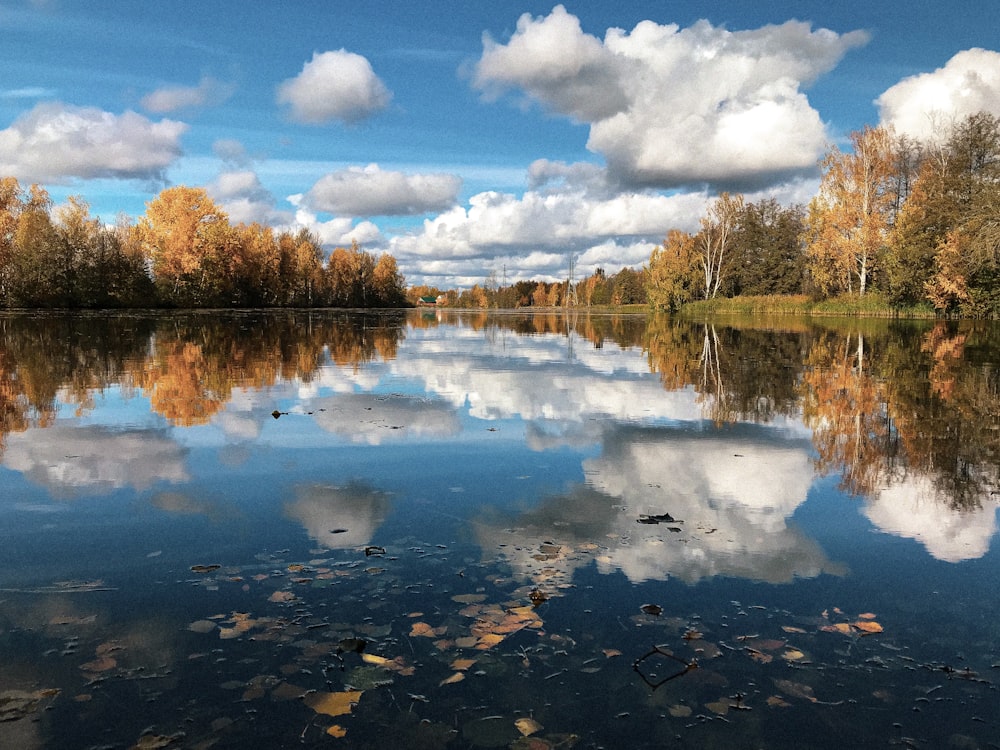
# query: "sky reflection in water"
[[822, 548]]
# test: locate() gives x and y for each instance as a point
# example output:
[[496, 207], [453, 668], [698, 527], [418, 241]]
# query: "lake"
[[435, 529]]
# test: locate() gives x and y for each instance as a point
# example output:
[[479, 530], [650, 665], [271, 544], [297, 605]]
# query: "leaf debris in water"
[[333, 704]]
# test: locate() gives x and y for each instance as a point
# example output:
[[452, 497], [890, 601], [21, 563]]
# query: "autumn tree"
[[849, 219], [180, 232], [714, 241], [388, 285], [674, 275]]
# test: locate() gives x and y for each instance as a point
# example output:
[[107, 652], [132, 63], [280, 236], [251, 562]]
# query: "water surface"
[[454, 530]]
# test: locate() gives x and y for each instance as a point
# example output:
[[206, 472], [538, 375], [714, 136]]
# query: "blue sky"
[[468, 137]]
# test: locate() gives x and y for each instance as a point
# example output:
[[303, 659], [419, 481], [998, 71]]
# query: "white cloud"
[[209, 91], [337, 232], [370, 191], [670, 107], [921, 105], [537, 232], [338, 85], [245, 199], [55, 142]]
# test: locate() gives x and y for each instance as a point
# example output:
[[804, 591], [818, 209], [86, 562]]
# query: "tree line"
[[917, 222], [627, 287], [183, 252]]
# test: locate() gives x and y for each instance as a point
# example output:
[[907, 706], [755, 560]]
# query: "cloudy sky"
[[468, 138]]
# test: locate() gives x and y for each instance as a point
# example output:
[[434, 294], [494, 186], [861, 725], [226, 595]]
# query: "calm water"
[[438, 530]]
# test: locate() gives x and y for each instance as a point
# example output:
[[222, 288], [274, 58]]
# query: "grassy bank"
[[869, 306]]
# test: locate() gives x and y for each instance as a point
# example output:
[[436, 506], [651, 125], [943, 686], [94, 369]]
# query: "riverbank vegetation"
[[898, 227], [183, 252]]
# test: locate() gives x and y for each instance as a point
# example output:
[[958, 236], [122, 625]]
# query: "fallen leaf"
[[840, 627], [527, 726], [281, 596], [868, 626], [204, 568], [652, 609], [793, 654], [456, 677], [867, 616], [462, 664], [333, 704], [422, 629], [609, 652], [337, 731]]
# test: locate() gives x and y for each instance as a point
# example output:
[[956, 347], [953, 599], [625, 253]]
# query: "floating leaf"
[[652, 609], [204, 568], [456, 677], [840, 627], [337, 731], [793, 654], [333, 704], [281, 596], [868, 626], [792, 629], [422, 629], [609, 652], [462, 664], [527, 726]]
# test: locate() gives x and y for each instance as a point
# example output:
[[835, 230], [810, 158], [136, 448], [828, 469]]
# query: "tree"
[[181, 229], [714, 240], [767, 255], [388, 284], [850, 217], [674, 277]]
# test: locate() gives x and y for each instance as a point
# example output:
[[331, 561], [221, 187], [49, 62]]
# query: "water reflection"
[[228, 471]]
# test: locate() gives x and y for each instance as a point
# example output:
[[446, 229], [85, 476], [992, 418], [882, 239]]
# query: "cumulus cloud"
[[209, 91], [339, 231], [337, 85], [55, 142], [371, 191], [921, 105], [671, 107], [245, 199], [538, 232]]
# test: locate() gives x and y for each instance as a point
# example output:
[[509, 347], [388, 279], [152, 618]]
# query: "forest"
[[914, 225], [906, 224], [182, 253], [917, 223]]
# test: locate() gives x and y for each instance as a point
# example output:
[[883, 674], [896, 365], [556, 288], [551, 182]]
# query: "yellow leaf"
[[489, 640], [840, 627], [462, 664], [333, 704], [527, 726], [457, 677], [792, 629], [377, 660], [422, 629], [337, 731], [867, 616], [793, 654], [868, 626]]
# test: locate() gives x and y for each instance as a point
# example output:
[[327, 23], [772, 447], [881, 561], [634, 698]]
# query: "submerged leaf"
[[652, 609]]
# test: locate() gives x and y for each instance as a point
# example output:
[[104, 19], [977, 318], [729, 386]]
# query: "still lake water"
[[460, 530]]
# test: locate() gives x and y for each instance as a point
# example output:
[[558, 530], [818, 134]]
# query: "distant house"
[[429, 301]]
